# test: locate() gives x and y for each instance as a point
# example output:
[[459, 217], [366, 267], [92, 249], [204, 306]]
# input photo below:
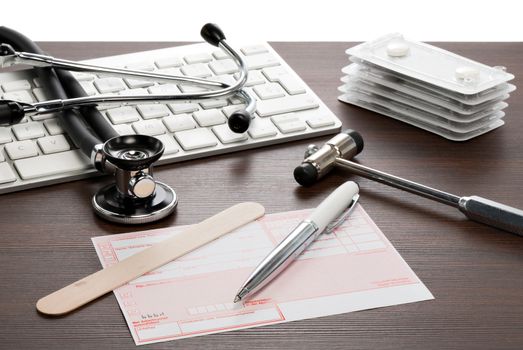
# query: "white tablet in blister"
[[420, 124], [429, 64]]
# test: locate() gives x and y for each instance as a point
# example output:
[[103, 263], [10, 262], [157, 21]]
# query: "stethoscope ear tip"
[[212, 34], [239, 121]]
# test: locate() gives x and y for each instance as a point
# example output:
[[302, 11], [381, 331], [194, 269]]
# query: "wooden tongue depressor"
[[93, 286]]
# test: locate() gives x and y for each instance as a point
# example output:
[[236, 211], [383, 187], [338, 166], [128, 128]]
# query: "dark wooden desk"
[[475, 272]]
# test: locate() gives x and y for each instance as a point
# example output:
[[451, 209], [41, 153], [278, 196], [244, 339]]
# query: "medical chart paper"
[[354, 268]]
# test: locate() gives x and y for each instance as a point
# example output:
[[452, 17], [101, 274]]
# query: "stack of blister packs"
[[425, 86]]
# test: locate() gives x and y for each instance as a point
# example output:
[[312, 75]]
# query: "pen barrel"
[[493, 213], [334, 205]]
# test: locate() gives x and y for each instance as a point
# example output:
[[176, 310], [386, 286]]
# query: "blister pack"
[[426, 86]]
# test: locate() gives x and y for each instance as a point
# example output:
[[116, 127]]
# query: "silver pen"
[[327, 216]]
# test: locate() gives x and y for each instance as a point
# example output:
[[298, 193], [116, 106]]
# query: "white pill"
[[467, 73], [397, 49]]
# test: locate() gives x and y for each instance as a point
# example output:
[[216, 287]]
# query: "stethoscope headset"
[[135, 197]]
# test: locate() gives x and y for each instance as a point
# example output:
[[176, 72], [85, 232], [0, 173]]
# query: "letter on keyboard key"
[[227, 136], [209, 117], [285, 105], [170, 145], [21, 149], [179, 122], [53, 144], [151, 127], [26, 131], [6, 173], [195, 139], [288, 123], [122, 115], [52, 164]]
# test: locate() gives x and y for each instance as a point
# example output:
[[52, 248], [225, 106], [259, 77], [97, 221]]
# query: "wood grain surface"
[[475, 272]]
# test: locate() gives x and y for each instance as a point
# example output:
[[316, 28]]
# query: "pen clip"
[[338, 221]]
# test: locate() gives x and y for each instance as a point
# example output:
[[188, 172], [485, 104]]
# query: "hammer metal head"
[[345, 145]]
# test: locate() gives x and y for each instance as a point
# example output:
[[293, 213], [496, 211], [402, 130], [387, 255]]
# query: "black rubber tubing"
[[71, 121]]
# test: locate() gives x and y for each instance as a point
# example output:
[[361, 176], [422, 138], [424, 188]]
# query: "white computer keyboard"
[[36, 152]]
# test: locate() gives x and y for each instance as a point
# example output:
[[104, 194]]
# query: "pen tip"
[[237, 299]]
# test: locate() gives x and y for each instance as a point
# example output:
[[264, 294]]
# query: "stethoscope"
[[135, 197]]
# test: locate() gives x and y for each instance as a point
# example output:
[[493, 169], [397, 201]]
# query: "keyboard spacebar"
[[52, 164]]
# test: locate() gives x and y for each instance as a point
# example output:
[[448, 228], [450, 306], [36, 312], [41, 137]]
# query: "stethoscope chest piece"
[[135, 197]]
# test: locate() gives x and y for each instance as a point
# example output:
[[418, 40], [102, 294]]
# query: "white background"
[[265, 20]]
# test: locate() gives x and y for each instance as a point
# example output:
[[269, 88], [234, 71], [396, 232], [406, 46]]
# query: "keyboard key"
[[82, 76], [285, 105], [224, 78], [39, 93], [288, 123], [26, 131], [138, 83], [253, 50], [220, 55], [89, 88], [189, 89], [134, 92], [143, 66], [226, 66], [52, 164], [6, 173], [151, 127], [209, 117], [37, 82], [195, 139], [226, 135], [123, 129], [150, 111], [320, 121], [5, 135], [231, 109], [217, 103], [269, 90], [178, 108], [164, 89], [16, 85], [108, 85], [122, 115], [261, 128], [53, 126], [168, 62], [170, 145], [255, 77], [198, 58], [199, 70], [21, 149], [179, 122], [169, 71], [261, 61], [22, 96], [53, 144], [289, 83]]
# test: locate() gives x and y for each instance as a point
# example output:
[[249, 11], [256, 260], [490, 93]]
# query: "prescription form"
[[354, 268]]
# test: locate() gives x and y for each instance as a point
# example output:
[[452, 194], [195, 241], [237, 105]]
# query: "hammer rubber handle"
[[493, 213]]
